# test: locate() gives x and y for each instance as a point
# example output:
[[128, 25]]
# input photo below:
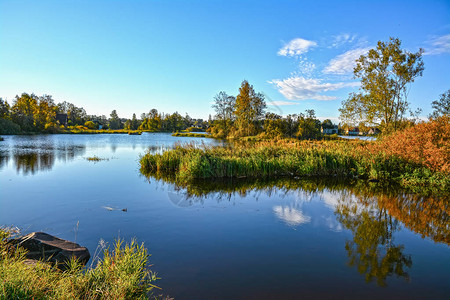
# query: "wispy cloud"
[[342, 39], [301, 88], [296, 47], [281, 103], [439, 45], [345, 62]]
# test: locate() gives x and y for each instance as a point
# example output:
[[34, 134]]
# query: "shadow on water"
[[372, 212]]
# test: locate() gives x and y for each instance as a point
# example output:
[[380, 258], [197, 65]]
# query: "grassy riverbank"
[[191, 134], [122, 273], [416, 158]]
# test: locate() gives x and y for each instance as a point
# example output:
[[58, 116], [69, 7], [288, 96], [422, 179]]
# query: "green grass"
[[122, 273], [190, 134], [342, 158]]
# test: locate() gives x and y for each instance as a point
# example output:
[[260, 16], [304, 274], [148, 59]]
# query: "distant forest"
[[244, 115]]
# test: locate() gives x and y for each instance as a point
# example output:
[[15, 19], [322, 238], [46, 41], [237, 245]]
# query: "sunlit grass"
[[122, 273], [289, 157]]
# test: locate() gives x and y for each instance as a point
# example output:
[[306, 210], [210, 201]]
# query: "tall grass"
[[263, 159], [122, 273]]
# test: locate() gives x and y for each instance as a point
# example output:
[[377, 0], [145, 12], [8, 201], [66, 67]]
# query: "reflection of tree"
[[428, 216], [4, 158], [31, 160], [372, 212], [372, 249]]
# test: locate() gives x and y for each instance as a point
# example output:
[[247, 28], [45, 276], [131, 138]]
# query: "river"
[[288, 238]]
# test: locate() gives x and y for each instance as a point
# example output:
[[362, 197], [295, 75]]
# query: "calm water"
[[282, 239]]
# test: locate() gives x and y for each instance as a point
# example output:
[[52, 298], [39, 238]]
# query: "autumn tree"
[[45, 113], [385, 73], [441, 107], [23, 111], [249, 109]]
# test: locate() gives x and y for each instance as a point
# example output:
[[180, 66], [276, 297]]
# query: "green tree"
[[274, 125], [441, 107], [75, 115], [134, 122], [249, 109], [128, 125], [114, 121], [90, 125], [308, 125], [327, 124], [385, 73], [224, 107], [4, 109]]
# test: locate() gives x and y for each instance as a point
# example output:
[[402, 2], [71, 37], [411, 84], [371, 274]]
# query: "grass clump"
[[121, 274]]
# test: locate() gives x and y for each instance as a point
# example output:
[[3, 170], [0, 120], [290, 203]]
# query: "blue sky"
[[133, 56]]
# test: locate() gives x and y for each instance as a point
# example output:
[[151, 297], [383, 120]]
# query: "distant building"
[[374, 131], [61, 119], [99, 125], [332, 130], [353, 131]]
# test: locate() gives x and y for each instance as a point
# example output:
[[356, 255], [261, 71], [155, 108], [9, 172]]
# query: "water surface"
[[288, 238]]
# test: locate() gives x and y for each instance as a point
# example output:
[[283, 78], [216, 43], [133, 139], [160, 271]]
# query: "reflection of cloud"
[[346, 62], [291, 215], [331, 199], [301, 88], [333, 224], [296, 47], [439, 45]]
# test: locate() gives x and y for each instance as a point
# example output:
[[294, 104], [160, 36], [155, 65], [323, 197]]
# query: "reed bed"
[[289, 157]]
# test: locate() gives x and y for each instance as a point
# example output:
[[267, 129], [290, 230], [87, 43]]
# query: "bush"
[[9, 127]]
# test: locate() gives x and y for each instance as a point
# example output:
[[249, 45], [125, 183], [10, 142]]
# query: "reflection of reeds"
[[95, 158], [266, 159]]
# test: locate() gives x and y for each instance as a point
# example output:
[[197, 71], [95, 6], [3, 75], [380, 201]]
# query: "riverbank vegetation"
[[122, 273], [417, 158]]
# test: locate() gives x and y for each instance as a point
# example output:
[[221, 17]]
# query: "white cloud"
[[301, 88], [296, 47], [345, 62], [341, 39], [291, 215], [439, 45], [281, 103]]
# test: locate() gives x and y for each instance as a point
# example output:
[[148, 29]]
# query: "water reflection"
[[28, 159], [372, 212], [291, 215], [372, 250]]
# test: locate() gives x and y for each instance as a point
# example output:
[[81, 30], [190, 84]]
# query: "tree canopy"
[[441, 107], [385, 73]]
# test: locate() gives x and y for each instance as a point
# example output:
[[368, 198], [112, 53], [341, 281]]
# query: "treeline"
[[40, 114], [245, 115]]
